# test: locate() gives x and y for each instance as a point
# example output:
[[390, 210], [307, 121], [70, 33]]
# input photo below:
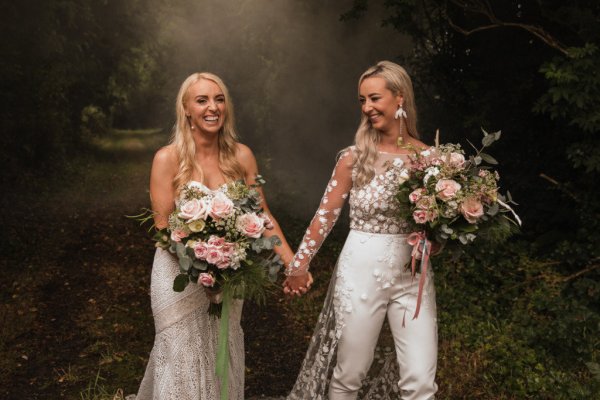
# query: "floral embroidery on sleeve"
[[327, 214]]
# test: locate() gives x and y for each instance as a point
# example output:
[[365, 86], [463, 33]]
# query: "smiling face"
[[378, 103], [205, 106]]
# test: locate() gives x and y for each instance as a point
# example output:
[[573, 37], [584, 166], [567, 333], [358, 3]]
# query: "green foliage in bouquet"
[[453, 199]]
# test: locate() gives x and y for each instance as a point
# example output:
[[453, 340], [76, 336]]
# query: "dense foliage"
[[71, 68], [529, 311]]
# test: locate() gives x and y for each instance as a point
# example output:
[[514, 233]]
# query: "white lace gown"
[[369, 283], [182, 361]]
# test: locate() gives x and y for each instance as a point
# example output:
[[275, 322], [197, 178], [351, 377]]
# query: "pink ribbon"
[[421, 249]]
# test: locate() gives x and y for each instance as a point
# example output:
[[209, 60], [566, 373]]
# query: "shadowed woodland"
[[87, 98]]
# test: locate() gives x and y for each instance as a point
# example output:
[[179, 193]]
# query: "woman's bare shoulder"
[[165, 159], [244, 154]]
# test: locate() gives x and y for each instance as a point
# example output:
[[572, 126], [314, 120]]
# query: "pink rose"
[[224, 263], [214, 255], [201, 250], [216, 241], [416, 195], [228, 249], [471, 209], [457, 160], [194, 209], [206, 279], [178, 234], [420, 216], [221, 206], [446, 189], [250, 225]]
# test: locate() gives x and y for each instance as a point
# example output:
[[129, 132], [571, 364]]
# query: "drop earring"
[[400, 112], [189, 118]]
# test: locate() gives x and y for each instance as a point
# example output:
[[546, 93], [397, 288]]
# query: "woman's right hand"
[[297, 285]]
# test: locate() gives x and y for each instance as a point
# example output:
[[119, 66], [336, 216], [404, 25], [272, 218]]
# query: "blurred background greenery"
[[86, 97]]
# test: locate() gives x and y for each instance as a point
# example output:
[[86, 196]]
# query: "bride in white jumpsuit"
[[370, 281]]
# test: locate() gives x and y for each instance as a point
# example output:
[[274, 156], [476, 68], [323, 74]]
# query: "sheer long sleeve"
[[329, 210]]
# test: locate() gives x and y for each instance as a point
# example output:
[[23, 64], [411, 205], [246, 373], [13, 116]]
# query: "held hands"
[[297, 285]]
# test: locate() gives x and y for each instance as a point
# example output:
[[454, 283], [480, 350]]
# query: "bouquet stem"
[[223, 346]]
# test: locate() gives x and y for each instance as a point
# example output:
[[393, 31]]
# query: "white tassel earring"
[[400, 112]]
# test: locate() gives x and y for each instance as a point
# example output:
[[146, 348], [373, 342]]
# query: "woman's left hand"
[[297, 285]]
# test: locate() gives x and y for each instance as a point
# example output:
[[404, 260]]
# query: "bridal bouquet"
[[218, 238], [448, 197]]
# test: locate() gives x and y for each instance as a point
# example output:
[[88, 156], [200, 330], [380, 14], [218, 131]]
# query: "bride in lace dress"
[[370, 281], [204, 152]]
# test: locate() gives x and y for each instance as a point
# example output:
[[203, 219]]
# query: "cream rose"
[[471, 209], [194, 209], [197, 225], [250, 225], [221, 206], [446, 189]]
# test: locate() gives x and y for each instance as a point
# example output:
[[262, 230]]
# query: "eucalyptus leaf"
[[180, 248], [181, 281], [185, 263], [488, 159], [488, 140], [493, 210], [200, 265], [477, 160]]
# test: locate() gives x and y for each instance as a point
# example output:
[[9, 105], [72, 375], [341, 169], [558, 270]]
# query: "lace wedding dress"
[[369, 283], [182, 361]]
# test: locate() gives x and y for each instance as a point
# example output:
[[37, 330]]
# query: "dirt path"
[[75, 319]]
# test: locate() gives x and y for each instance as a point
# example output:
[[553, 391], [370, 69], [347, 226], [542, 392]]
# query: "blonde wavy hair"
[[183, 139], [367, 138]]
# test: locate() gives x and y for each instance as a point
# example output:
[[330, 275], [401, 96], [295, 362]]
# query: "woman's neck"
[[206, 145]]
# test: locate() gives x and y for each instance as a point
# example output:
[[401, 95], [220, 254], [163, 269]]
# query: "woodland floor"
[[75, 318]]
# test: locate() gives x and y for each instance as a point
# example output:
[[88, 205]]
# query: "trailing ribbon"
[[223, 346], [503, 204], [421, 249]]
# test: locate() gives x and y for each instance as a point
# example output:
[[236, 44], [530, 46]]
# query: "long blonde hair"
[[367, 138], [183, 139]]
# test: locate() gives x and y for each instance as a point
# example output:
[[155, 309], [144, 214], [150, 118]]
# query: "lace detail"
[[327, 214], [373, 207], [377, 241], [182, 362]]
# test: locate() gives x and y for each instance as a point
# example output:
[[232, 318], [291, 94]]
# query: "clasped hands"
[[297, 285]]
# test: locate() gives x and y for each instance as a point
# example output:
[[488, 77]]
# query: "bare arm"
[[248, 161], [162, 192]]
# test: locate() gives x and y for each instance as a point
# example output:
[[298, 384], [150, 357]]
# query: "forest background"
[[86, 98]]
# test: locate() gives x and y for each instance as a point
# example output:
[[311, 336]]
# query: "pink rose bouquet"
[[449, 197], [218, 239]]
